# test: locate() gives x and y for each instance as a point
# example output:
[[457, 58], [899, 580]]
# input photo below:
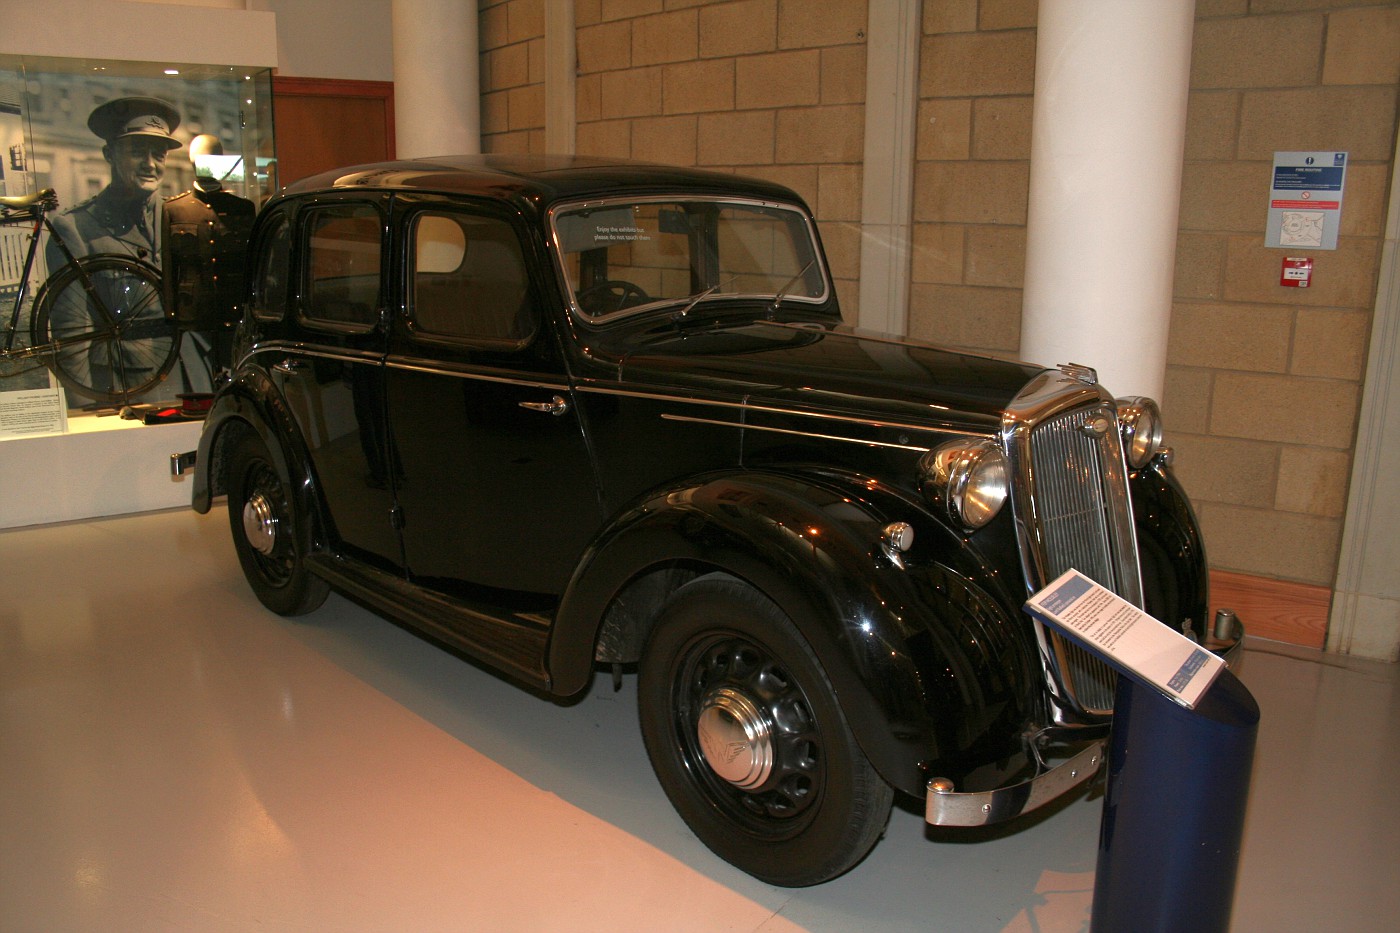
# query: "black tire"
[[785, 793], [113, 342], [269, 533]]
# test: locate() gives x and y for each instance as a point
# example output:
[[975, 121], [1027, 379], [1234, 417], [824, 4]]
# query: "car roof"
[[539, 181]]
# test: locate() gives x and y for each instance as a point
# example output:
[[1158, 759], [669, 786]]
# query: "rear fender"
[[931, 671]]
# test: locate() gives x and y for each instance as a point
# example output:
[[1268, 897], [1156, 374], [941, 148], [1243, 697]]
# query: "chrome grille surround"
[[1069, 495]]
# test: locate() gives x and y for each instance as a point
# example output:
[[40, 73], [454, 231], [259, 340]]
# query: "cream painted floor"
[[172, 757]]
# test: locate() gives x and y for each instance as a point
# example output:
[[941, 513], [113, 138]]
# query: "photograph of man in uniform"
[[125, 216]]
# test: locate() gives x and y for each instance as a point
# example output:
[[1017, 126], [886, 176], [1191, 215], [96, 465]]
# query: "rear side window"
[[272, 269], [469, 279], [343, 266]]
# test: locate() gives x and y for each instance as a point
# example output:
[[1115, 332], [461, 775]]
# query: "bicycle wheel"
[[106, 329]]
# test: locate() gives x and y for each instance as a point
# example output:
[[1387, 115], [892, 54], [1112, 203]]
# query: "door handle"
[[555, 406]]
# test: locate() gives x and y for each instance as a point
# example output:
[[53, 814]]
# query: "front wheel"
[[748, 741], [269, 532], [103, 320]]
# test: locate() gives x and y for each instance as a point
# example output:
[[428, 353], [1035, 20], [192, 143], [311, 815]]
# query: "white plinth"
[[102, 466]]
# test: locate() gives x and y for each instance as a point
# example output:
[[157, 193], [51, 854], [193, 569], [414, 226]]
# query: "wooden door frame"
[[289, 86]]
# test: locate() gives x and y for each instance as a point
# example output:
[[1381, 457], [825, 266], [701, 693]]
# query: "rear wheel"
[[111, 342], [269, 533], [748, 741]]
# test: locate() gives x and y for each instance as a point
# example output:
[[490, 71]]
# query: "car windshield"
[[626, 256]]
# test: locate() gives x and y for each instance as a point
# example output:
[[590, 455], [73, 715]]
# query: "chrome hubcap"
[[736, 739], [260, 524]]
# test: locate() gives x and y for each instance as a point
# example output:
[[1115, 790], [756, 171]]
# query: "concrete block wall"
[[511, 76], [768, 88], [972, 176], [1264, 382]]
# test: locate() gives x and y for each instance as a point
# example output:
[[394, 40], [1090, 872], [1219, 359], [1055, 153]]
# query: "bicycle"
[[97, 322]]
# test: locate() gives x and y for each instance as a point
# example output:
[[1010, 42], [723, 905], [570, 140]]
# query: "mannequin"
[[205, 239]]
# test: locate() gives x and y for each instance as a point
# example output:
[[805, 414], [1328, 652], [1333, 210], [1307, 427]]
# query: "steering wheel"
[[619, 293]]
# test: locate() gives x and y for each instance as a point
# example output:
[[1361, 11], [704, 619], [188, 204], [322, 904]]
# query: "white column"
[[1366, 605], [887, 195], [437, 101], [1111, 83], [560, 79]]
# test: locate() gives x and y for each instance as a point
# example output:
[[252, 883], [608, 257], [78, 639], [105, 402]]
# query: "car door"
[[331, 371], [496, 489]]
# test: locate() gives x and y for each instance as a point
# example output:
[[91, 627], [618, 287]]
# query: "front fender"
[[1172, 554], [933, 673]]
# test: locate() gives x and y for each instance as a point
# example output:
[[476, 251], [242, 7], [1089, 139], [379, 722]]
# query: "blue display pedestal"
[[1178, 780]]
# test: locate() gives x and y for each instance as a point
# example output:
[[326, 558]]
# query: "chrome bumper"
[[181, 463], [944, 806], [1226, 638]]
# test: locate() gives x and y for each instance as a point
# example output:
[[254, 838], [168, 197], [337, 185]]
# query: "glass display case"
[[127, 148]]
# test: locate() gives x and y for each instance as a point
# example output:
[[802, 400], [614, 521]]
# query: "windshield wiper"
[[695, 300], [782, 292], [701, 296]]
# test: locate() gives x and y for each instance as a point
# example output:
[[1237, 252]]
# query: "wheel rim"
[[747, 733], [260, 524], [266, 528]]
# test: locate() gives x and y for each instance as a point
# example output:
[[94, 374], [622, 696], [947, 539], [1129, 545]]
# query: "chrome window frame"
[[557, 251]]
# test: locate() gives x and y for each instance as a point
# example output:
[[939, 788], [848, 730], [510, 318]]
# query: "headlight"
[[968, 480], [1140, 425]]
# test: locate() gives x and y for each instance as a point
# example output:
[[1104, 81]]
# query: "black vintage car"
[[560, 413]]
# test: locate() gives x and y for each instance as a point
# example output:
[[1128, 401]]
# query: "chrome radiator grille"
[[1082, 519]]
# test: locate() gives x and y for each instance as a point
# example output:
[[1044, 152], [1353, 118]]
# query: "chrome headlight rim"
[[969, 481], [1140, 427]]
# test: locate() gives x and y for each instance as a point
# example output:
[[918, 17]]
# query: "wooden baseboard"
[[1295, 613]]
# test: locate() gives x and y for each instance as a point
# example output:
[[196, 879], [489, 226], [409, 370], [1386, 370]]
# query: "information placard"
[[28, 412], [1127, 637]]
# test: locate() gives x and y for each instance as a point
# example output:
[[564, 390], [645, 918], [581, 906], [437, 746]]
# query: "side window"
[[468, 279], [272, 269], [343, 267]]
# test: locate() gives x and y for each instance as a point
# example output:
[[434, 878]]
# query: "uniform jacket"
[[205, 239]]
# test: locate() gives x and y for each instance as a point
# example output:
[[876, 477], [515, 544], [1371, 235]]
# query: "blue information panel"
[[1305, 200]]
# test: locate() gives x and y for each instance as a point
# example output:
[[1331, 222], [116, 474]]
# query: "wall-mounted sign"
[[1305, 199]]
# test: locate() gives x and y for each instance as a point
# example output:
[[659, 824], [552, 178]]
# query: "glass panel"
[[620, 257], [469, 279], [343, 264], [273, 271], [129, 147]]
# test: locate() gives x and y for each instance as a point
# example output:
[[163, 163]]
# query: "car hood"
[[823, 368]]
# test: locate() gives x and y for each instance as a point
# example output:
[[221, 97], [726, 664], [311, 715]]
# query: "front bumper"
[[944, 806]]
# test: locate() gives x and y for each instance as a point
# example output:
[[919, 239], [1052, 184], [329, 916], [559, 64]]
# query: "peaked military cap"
[[136, 116]]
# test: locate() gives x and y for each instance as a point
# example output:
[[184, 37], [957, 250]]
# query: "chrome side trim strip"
[[946, 807], [326, 353], [791, 412], [408, 364], [411, 364], [822, 437]]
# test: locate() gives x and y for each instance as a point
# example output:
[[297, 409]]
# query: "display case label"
[[1126, 637]]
